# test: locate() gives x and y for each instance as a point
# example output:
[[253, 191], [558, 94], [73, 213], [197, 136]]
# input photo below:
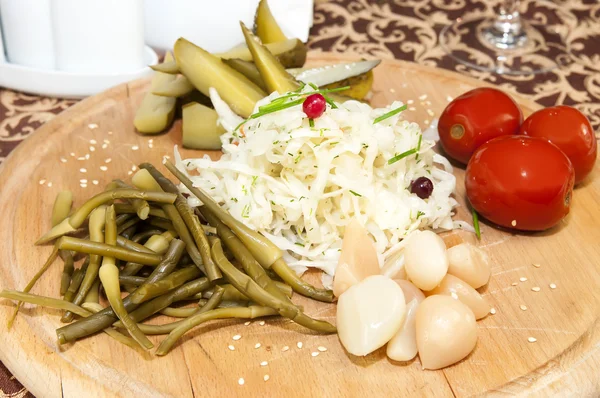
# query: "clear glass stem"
[[506, 31]]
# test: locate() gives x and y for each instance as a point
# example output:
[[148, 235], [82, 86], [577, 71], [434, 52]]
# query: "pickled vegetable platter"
[[562, 320]]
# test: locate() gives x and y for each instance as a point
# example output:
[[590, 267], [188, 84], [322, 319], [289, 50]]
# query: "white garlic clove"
[[369, 314], [393, 267], [469, 263], [461, 290], [403, 346], [425, 259], [446, 331], [358, 258]]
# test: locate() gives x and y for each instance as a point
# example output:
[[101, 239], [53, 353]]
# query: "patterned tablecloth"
[[402, 29]]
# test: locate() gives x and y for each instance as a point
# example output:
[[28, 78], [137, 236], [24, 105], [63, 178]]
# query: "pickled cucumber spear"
[[266, 26]]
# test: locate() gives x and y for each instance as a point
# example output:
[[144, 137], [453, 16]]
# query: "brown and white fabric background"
[[401, 29]]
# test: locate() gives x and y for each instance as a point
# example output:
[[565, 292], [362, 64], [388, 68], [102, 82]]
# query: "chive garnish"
[[402, 156], [476, 224], [311, 122], [390, 114], [419, 146], [330, 102], [355, 193]]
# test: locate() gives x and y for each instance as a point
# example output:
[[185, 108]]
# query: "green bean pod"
[[176, 279], [101, 249], [144, 235], [80, 215], [62, 207], [142, 208], [191, 221], [248, 287], [67, 273], [157, 244], [131, 245]]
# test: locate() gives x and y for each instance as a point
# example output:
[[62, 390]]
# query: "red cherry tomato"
[[520, 182], [568, 129], [476, 117]]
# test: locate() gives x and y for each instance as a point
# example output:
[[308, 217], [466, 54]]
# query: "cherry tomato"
[[520, 182], [476, 117], [568, 129]]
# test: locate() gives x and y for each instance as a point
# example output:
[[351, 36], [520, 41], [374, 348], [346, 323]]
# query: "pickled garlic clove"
[[393, 267], [369, 314], [425, 259], [461, 290], [403, 346], [469, 263], [358, 258], [446, 331]]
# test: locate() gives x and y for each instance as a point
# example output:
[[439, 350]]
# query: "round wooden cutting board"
[[94, 142]]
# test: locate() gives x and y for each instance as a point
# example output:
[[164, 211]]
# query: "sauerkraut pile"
[[300, 185]]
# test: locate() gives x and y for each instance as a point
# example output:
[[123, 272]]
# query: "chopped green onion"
[[313, 86], [402, 156], [355, 193], [299, 244], [390, 114], [420, 214], [476, 224], [419, 146], [311, 122], [276, 108]]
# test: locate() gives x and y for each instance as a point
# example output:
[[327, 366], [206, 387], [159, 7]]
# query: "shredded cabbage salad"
[[300, 185]]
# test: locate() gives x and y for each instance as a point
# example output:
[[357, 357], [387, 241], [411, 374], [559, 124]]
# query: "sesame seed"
[[72, 154], [321, 348], [410, 102], [49, 184], [536, 265], [513, 223], [95, 182], [92, 149], [150, 140], [150, 146], [133, 168], [106, 141], [257, 345], [83, 180], [266, 377], [83, 170], [314, 354], [237, 337], [135, 147], [93, 126], [536, 289], [449, 98], [423, 97], [87, 156], [129, 172], [107, 160], [523, 279], [412, 108], [83, 185], [515, 283], [93, 142], [299, 344], [285, 348], [264, 363], [42, 182], [552, 286], [261, 323], [110, 133], [81, 158], [493, 311], [430, 112], [531, 339], [426, 121], [231, 348], [241, 381], [104, 146], [247, 323], [103, 168], [63, 160], [523, 307]]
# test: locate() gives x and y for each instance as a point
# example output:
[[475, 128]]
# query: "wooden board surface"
[[565, 320]]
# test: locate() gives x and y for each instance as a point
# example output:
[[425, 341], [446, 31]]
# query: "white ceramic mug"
[[28, 32], [98, 36]]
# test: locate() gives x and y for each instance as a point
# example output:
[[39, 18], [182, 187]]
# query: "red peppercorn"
[[314, 105]]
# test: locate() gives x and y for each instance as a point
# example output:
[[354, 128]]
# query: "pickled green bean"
[[101, 249], [62, 207], [131, 245], [157, 243], [142, 208], [144, 235], [67, 273]]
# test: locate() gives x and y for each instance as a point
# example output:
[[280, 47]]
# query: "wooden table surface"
[[401, 29]]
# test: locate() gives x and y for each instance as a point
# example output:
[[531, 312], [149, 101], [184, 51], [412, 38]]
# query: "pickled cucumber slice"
[[265, 25], [169, 67], [273, 74], [155, 113], [176, 88], [291, 53], [205, 70], [247, 69], [357, 75], [199, 128]]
